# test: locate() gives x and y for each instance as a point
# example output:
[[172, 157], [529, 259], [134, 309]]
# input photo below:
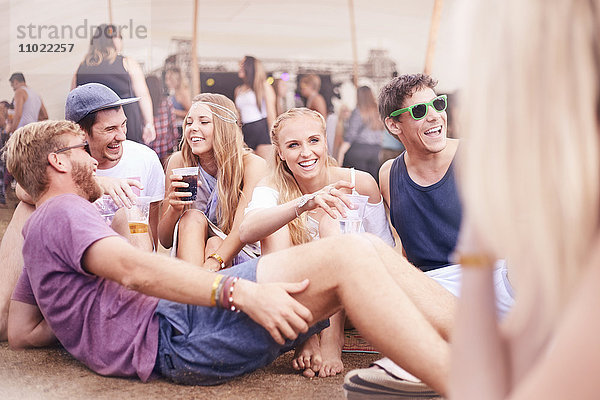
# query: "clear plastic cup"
[[138, 215], [352, 223], [190, 176], [107, 208]]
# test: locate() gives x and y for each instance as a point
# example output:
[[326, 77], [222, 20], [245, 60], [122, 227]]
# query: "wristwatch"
[[303, 200]]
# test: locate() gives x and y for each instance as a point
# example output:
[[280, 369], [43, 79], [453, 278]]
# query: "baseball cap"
[[91, 97]]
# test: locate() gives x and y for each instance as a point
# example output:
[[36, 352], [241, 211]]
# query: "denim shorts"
[[209, 346]]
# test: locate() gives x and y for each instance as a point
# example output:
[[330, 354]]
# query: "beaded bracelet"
[[228, 289], [221, 292], [213, 292]]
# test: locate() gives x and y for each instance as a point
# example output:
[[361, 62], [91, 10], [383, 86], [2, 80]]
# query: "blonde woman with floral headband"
[[205, 231]]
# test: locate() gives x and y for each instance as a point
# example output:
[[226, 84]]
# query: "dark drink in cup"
[[190, 176], [192, 181]]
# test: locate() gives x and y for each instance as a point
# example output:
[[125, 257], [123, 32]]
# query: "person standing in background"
[[391, 147], [336, 126], [179, 94], [255, 100], [3, 138], [280, 87], [165, 123], [27, 104], [309, 89], [104, 64], [364, 134]]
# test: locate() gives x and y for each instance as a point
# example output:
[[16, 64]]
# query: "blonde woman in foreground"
[[299, 202], [531, 187], [212, 141]]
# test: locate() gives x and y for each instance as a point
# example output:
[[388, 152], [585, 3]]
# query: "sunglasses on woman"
[[419, 111]]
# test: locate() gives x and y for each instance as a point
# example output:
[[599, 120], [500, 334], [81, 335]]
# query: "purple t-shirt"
[[111, 329]]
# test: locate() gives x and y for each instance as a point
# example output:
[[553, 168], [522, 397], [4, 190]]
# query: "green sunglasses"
[[419, 111]]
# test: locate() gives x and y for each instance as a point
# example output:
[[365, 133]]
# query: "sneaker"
[[376, 383]]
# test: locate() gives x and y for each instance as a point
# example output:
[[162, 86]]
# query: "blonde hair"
[[282, 176], [28, 148], [229, 151], [535, 80]]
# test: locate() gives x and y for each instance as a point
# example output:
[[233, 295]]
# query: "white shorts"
[[450, 278]]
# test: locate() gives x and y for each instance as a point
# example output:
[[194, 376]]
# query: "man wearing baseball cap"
[[98, 110]]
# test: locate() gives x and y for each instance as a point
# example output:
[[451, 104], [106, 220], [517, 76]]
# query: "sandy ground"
[[54, 374]]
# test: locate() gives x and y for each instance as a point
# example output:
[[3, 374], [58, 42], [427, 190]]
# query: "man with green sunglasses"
[[418, 186], [419, 111], [420, 191]]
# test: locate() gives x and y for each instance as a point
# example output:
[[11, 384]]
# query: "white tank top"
[[31, 108], [246, 104]]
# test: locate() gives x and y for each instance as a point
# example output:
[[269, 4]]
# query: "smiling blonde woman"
[[299, 202], [212, 141]]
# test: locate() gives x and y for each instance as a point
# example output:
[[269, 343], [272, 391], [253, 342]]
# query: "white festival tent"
[[309, 30]]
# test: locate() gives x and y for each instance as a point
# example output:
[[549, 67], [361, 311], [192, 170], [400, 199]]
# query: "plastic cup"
[[107, 208], [138, 215], [352, 223], [190, 176]]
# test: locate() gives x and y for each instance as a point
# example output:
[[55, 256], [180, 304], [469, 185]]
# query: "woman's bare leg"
[[323, 355], [376, 287], [191, 237]]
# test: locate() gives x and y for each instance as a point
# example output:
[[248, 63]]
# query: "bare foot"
[[307, 357], [332, 342]]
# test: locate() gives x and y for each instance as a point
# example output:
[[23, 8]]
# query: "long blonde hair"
[[282, 176], [530, 164], [229, 151]]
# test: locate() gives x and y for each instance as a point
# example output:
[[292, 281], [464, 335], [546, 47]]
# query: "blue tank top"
[[427, 219]]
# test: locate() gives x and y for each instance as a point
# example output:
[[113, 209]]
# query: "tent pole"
[[354, 47], [433, 33], [195, 68]]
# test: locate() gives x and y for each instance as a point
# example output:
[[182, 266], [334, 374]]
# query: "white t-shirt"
[[138, 162], [141, 163], [375, 221]]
